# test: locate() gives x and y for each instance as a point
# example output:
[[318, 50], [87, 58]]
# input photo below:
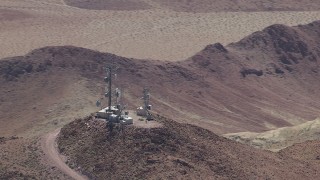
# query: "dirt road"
[[49, 147]]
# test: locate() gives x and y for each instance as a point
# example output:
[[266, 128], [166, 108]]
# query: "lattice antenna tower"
[[146, 98], [111, 72]]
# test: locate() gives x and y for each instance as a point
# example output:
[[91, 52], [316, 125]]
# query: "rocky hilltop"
[[175, 151]]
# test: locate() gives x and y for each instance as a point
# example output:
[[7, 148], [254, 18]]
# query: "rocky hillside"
[[174, 151], [269, 79]]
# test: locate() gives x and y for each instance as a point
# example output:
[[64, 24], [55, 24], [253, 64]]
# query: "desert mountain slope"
[[308, 151], [265, 81], [197, 6], [177, 151], [244, 5], [155, 33], [109, 4]]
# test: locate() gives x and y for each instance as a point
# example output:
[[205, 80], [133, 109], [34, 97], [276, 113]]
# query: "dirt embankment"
[[22, 158], [49, 147], [175, 151]]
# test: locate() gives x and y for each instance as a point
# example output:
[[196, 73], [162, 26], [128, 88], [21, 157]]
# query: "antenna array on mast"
[[144, 110], [112, 113]]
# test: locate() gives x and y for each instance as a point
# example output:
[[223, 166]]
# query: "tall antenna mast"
[[109, 76], [108, 79], [146, 98], [112, 114]]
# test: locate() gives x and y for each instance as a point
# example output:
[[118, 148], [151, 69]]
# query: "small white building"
[[114, 116], [126, 120], [105, 113]]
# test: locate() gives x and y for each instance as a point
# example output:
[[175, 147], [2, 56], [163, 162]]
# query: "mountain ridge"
[[226, 89]]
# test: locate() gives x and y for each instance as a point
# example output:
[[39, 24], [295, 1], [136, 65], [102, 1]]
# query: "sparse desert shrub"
[[245, 72]]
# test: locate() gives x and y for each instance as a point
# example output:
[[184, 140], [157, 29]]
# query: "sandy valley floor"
[[152, 34]]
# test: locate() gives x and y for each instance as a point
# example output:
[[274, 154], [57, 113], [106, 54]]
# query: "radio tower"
[[147, 106], [108, 79], [112, 113]]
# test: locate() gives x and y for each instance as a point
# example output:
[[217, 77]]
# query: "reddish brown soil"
[[49, 146], [305, 152], [175, 151], [22, 158]]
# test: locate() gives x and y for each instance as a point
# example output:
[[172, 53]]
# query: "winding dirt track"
[[49, 147]]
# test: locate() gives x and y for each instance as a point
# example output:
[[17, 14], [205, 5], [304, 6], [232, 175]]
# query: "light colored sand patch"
[[155, 34], [291, 118], [51, 2], [281, 138], [141, 122]]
